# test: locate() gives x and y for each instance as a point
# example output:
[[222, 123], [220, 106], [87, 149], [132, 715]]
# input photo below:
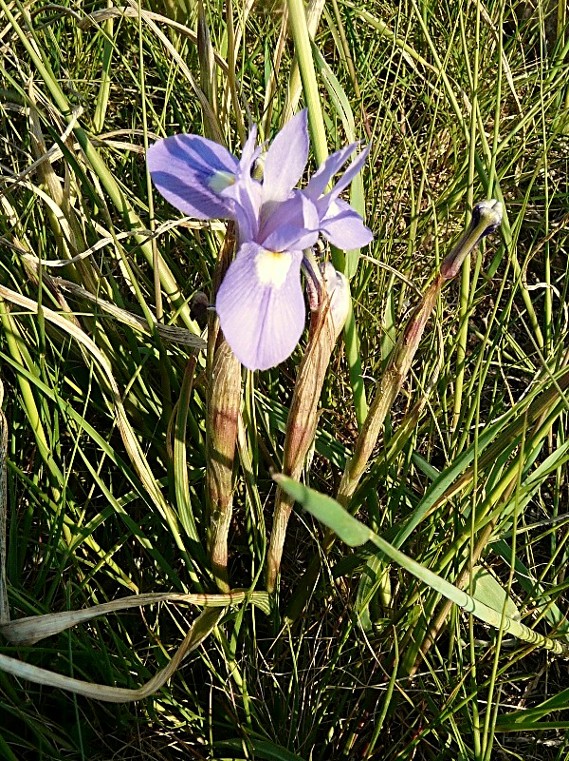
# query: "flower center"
[[221, 180], [272, 267]]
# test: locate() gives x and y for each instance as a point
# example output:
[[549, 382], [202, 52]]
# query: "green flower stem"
[[301, 37], [485, 218], [465, 299], [303, 47]]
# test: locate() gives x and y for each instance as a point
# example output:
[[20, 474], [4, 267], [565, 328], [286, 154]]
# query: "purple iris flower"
[[260, 302]]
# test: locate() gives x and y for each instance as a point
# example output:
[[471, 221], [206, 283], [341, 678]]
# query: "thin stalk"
[[491, 713], [231, 69], [105, 86], [303, 49], [486, 216], [102, 171], [17, 350], [465, 295]]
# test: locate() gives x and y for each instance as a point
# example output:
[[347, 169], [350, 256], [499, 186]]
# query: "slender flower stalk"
[[327, 321], [302, 44], [486, 217]]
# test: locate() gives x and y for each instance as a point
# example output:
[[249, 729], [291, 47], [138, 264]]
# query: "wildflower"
[[260, 302]]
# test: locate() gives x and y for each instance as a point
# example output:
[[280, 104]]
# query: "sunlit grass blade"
[[354, 533]]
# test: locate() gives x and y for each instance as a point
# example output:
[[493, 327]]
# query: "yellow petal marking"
[[272, 267]]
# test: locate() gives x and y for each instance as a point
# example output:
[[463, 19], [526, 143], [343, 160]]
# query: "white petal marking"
[[272, 267]]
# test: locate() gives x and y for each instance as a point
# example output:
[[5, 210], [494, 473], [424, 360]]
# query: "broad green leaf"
[[354, 533], [327, 510], [487, 589], [537, 591]]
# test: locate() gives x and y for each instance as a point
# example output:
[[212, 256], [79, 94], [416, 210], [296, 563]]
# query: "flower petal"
[[319, 181], [250, 153], [291, 224], [338, 289], [182, 168], [286, 158], [261, 306], [344, 227], [350, 173], [246, 192]]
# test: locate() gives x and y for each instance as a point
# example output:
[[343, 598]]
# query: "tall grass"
[[357, 653]]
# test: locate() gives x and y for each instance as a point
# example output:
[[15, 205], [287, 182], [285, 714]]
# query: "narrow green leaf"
[[354, 533], [327, 511], [344, 110], [263, 749], [487, 589]]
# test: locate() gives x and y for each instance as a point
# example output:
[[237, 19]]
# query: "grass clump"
[[108, 434]]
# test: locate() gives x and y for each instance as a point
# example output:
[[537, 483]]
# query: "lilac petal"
[[197, 153], [327, 170], [247, 196], [291, 224], [246, 192], [182, 167], [338, 289], [286, 158], [344, 227], [350, 173], [261, 306], [250, 153]]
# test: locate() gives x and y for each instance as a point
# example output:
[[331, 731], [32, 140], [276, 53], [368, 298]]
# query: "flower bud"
[[486, 217], [338, 290]]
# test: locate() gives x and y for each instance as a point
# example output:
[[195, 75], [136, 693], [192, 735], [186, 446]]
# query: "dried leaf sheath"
[[486, 217], [224, 399], [326, 324]]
